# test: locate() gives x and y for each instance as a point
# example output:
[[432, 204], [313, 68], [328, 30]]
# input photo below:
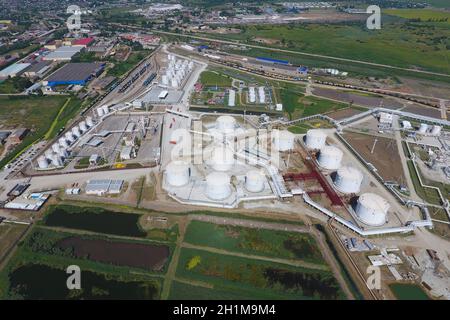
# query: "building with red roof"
[[83, 42]]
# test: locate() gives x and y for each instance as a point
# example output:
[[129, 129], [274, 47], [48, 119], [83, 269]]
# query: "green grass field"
[[280, 244], [416, 45], [212, 79], [122, 67], [256, 279], [424, 15], [39, 114]]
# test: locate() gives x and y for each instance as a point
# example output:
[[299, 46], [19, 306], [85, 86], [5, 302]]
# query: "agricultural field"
[[9, 234], [44, 116], [255, 279], [422, 15], [262, 242]]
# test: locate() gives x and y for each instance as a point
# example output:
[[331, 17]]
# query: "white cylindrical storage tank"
[[100, 112], [63, 142], [83, 126], [423, 128], [283, 140], [42, 162], [105, 109], [218, 186], [348, 179], [89, 122], [76, 132], [372, 209], [56, 160], [436, 131], [63, 153], [330, 157], [254, 181], [69, 137], [55, 147], [225, 124], [178, 173], [222, 159], [165, 80], [48, 154], [315, 139], [174, 83]]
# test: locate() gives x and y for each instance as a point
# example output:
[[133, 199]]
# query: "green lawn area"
[[272, 243], [256, 279], [39, 114], [212, 78]]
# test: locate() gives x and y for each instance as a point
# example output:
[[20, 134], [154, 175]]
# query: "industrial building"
[[62, 54], [14, 70], [38, 70], [101, 187], [75, 74]]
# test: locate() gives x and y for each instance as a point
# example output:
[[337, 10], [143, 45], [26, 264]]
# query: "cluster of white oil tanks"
[[372, 209], [102, 111], [262, 95], [218, 186], [330, 157], [222, 158], [254, 181], [178, 173], [425, 129], [283, 140], [176, 71], [60, 149], [252, 94], [348, 179], [225, 124], [315, 139]]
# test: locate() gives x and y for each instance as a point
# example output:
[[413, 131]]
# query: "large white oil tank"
[[42, 162], [254, 181], [283, 140], [436, 131], [348, 179], [423, 128], [63, 142], [89, 122], [330, 157], [174, 83], [218, 186], [165, 80], [48, 153], [76, 132], [56, 160], [222, 159], [225, 124], [69, 137], [262, 95], [83, 126], [372, 209], [100, 112], [252, 95], [178, 173], [315, 139]]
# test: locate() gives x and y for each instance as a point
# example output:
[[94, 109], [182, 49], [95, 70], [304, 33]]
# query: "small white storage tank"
[[222, 159], [178, 173], [56, 160], [254, 181], [330, 157], [225, 124], [63, 142], [48, 153], [89, 122], [348, 179], [283, 140], [55, 147], [100, 112], [174, 83], [315, 139], [105, 109], [423, 128], [218, 186], [69, 137], [372, 209], [436, 131], [262, 95], [165, 80], [42, 162], [76, 132], [83, 126]]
